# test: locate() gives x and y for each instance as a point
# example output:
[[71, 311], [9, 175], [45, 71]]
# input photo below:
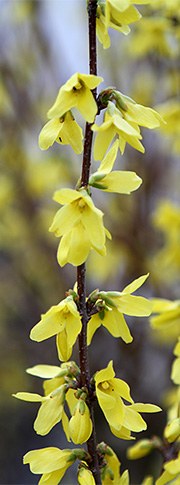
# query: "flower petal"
[[102, 141], [64, 350], [46, 460], [28, 396], [116, 325], [93, 324], [121, 182], [49, 133], [134, 305], [135, 284], [49, 414], [109, 159], [44, 371]]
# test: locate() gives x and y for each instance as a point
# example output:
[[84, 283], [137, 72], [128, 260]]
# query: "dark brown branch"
[[81, 270]]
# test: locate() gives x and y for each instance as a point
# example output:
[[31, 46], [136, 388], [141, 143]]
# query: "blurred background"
[[42, 43]]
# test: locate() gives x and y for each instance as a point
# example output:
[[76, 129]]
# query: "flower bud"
[[172, 430], [80, 425], [140, 449], [85, 477]]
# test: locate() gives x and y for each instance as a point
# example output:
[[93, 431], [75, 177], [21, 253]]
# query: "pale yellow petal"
[[49, 414], [64, 102], [102, 142], [121, 182], [63, 249], [49, 325], [136, 284], [63, 348], [133, 420], [134, 305], [109, 159], [105, 374], [66, 196], [52, 478], [93, 324], [116, 325], [46, 460], [90, 80], [28, 396], [44, 371], [65, 219], [49, 133], [94, 227], [87, 105]]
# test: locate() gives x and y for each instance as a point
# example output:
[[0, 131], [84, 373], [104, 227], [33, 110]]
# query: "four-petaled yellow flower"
[[117, 15], [51, 462], [64, 131], [80, 224], [62, 320], [51, 409], [110, 394], [122, 182], [124, 122], [111, 317], [114, 124], [77, 93]]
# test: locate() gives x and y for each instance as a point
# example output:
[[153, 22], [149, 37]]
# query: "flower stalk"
[[81, 270]]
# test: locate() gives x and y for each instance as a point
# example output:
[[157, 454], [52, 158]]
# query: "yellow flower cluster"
[[117, 15], [62, 127], [58, 387]]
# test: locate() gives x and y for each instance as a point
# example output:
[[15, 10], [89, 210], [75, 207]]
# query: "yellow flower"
[[124, 121], [172, 430], [117, 15], [85, 476], [111, 317], [62, 320], [80, 425], [120, 14], [168, 313], [51, 409], [171, 114], [64, 131], [110, 473], [117, 181], [114, 123], [77, 93], [81, 225], [102, 28], [110, 394], [175, 373], [171, 473], [51, 462], [151, 36]]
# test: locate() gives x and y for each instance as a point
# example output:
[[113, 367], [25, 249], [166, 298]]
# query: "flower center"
[[105, 385], [81, 204]]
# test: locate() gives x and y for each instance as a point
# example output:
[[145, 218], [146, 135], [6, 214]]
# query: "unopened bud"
[[172, 430], [140, 449]]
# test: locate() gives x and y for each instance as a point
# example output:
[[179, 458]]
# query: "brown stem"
[[81, 270]]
